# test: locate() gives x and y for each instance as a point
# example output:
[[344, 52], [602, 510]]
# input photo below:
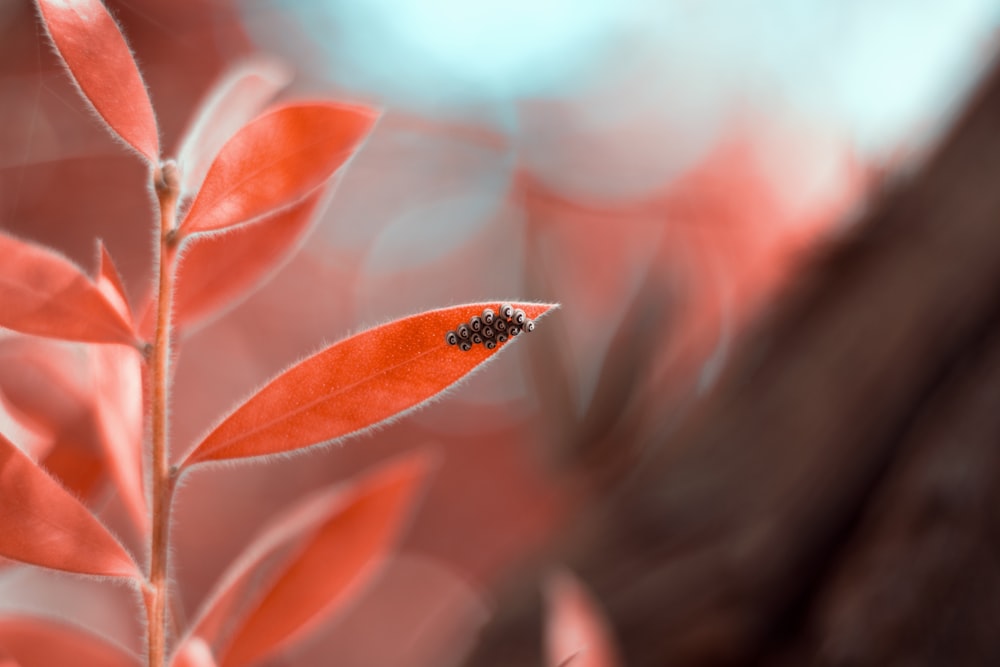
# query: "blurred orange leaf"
[[117, 405], [231, 102], [50, 384], [43, 642], [118, 400], [576, 632], [216, 271], [43, 524], [352, 385], [328, 547], [101, 64], [43, 293], [275, 161], [194, 652]]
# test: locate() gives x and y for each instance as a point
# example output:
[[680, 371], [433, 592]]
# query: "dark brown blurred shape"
[[835, 500]]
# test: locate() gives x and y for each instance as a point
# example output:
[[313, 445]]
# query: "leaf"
[[195, 652], [118, 412], [576, 631], [231, 103], [109, 283], [43, 524], [42, 642], [118, 400], [351, 386], [50, 383], [276, 161], [44, 294], [216, 271], [328, 547], [101, 65], [28, 434]]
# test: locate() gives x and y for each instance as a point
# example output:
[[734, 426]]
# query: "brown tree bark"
[[835, 500]]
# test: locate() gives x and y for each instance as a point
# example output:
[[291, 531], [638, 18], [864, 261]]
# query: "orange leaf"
[[118, 400], [43, 524], [231, 103], [109, 282], [50, 384], [217, 270], [352, 385], [194, 652], [328, 547], [44, 642], [30, 435], [576, 632], [43, 293], [101, 65], [276, 161], [117, 404]]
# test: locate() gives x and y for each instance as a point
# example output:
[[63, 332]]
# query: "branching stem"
[[167, 191]]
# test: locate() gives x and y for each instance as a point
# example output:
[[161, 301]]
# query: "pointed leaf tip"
[[44, 525], [275, 161], [109, 282], [101, 64], [353, 385]]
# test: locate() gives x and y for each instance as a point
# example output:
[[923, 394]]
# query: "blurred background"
[[659, 167]]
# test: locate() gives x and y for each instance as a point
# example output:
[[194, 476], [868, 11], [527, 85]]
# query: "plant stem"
[[167, 192]]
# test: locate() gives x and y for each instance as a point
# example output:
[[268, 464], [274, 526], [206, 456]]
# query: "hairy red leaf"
[[352, 385], [101, 64], [216, 271], [327, 548], [232, 101], [109, 282], [46, 642], [43, 293], [276, 161], [576, 632], [43, 524]]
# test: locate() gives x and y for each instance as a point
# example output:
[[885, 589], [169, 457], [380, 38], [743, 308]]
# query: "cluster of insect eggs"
[[490, 328]]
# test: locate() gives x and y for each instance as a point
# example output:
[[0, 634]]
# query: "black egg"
[[501, 338], [451, 337], [519, 317], [506, 311], [500, 325], [488, 316], [529, 325], [465, 346], [464, 331], [513, 330], [488, 332], [490, 344], [475, 323], [476, 339]]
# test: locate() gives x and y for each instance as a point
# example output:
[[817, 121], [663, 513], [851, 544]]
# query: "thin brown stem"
[[167, 191]]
